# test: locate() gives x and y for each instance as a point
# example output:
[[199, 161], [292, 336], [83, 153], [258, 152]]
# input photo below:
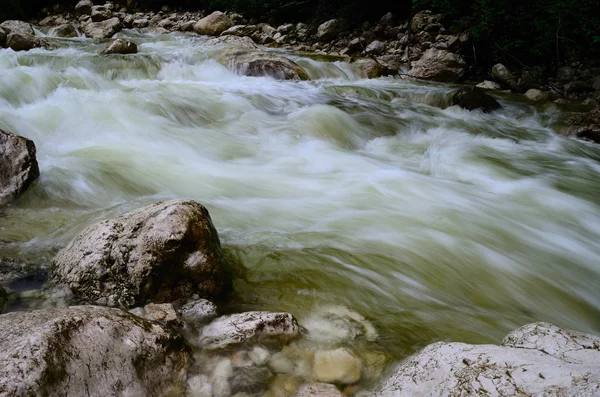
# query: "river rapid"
[[375, 196]]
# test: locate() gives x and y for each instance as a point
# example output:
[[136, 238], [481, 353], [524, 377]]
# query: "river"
[[433, 222]]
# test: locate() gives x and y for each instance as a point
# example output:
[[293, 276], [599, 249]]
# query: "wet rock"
[[120, 46], [18, 166], [536, 95], [259, 63], [162, 313], [335, 324], [103, 30], [66, 30], [100, 13], [166, 24], [336, 366], [84, 7], [88, 350], [187, 26], [585, 125], [426, 21], [330, 30], [213, 25], [286, 28], [198, 312], [13, 26], [20, 42], [3, 299], [249, 327], [53, 20], [372, 69], [161, 253], [438, 65], [3, 34], [199, 386], [259, 355], [249, 379], [220, 378], [537, 359], [279, 363], [472, 98], [504, 76], [375, 48], [318, 390], [489, 85], [140, 23]]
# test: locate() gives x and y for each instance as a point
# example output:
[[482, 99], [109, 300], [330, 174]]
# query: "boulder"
[[65, 30], [18, 166], [88, 351], [103, 30], [585, 125], [336, 366], [438, 65], [162, 313], [249, 327], [198, 312], [318, 390], [3, 34], [120, 46], [213, 25], [330, 30], [3, 299], [536, 95], [21, 42], [504, 76], [21, 27], [372, 69], [100, 13], [375, 48], [240, 30], [426, 21], [162, 252], [489, 85], [84, 7], [260, 63], [472, 98], [140, 23], [537, 359]]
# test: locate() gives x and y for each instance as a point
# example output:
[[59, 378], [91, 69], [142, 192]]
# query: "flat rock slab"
[[536, 360], [88, 351], [18, 166], [249, 327], [162, 252]]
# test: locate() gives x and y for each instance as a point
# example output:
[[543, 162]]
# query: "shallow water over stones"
[[380, 216]]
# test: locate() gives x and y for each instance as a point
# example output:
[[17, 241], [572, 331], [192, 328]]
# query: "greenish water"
[[433, 222]]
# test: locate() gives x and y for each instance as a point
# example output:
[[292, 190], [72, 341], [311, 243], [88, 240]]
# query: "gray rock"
[[84, 7], [250, 327], [140, 23], [213, 25], [65, 30], [120, 46], [240, 30], [198, 312], [237, 19], [489, 85], [286, 28], [13, 26], [103, 30], [187, 26], [472, 98], [249, 379], [18, 166], [88, 350], [3, 34], [504, 76], [595, 85], [162, 313], [372, 69], [426, 21], [375, 48], [585, 125], [318, 390], [21, 42], [330, 30], [536, 95], [3, 299], [577, 86], [438, 65], [100, 13], [537, 359], [161, 253], [260, 63]]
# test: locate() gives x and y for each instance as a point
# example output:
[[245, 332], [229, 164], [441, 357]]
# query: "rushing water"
[[433, 222]]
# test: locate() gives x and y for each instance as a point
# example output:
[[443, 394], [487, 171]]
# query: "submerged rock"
[[537, 359], [120, 46], [249, 327], [472, 98], [336, 366], [198, 312], [18, 166], [318, 390], [161, 252], [213, 25], [88, 350], [438, 65], [103, 30]]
